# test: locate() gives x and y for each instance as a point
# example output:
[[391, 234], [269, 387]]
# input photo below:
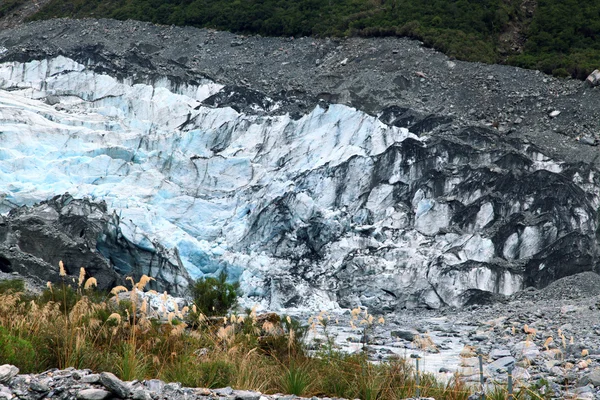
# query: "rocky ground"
[[85, 385], [552, 346], [551, 337], [369, 74]]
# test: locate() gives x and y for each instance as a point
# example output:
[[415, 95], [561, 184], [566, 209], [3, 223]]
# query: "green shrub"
[[12, 286], [215, 296], [63, 294], [216, 373], [296, 378], [16, 351], [561, 73]]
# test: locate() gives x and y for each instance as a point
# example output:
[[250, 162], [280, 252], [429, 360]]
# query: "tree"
[[215, 296]]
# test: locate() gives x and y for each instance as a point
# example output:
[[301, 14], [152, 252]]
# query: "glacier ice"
[[332, 209]]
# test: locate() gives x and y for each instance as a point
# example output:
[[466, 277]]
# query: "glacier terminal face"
[[334, 208]]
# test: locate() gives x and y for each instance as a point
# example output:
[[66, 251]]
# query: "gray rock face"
[[433, 224], [80, 233]]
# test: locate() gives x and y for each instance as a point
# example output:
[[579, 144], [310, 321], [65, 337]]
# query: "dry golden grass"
[[119, 333]]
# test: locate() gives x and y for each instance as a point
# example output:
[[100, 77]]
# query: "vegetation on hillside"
[[73, 325], [555, 36], [8, 6]]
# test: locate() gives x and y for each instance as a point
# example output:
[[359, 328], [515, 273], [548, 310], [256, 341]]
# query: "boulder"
[[593, 79], [406, 334], [114, 384], [594, 377], [93, 394], [7, 372], [501, 364]]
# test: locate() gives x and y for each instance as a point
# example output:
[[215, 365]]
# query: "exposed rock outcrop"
[[81, 233], [314, 187]]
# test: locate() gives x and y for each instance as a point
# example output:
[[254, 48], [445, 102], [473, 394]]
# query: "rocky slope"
[[318, 173], [81, 233], [85, 385]]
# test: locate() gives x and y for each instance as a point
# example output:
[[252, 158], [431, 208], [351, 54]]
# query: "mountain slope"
[[383, 175], [555, 36]]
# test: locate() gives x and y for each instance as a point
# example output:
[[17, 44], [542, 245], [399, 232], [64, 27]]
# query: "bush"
[[214, 296], [64, 295], [16, 351], [12, 286]]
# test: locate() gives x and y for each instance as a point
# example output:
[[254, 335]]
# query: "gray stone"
[[226, 391], [39, 386], [7, 372], [154, 385], [501, 364], [91, 378], [141, 394], [406, 334], [52, 100], [499, 353], [590, 141], [246, 395], [5, 392], [114, 384], [93, 394], [526, 350], [593, 79], [594, 377]]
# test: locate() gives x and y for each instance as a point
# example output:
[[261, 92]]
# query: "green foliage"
[[12, 286], [192, 372], [296, 378], [8, 6], [560, 35], [216, 373], [131, 363], [215, 296], [17, 351], [63, 294]]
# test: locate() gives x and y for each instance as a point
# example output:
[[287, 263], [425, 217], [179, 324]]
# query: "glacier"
[[335, 208]]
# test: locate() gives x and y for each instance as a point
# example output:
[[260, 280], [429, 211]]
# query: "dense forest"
[[555, 36]]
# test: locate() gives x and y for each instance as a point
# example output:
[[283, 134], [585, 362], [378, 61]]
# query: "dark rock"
[[114, 384], [39, 386], [406, 334], [80, 233]]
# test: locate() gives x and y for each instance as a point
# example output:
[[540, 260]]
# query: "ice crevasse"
[[333, 209]]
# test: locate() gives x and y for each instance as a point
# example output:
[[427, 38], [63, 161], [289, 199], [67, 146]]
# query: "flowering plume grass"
[[120, 333]]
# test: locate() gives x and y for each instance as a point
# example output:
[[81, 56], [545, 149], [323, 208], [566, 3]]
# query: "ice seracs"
[[334, 208]]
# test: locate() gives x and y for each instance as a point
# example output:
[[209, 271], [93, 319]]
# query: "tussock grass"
[[77, 326]]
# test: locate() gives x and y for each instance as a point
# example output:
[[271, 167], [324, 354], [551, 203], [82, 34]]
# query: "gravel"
[[370, 74]]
